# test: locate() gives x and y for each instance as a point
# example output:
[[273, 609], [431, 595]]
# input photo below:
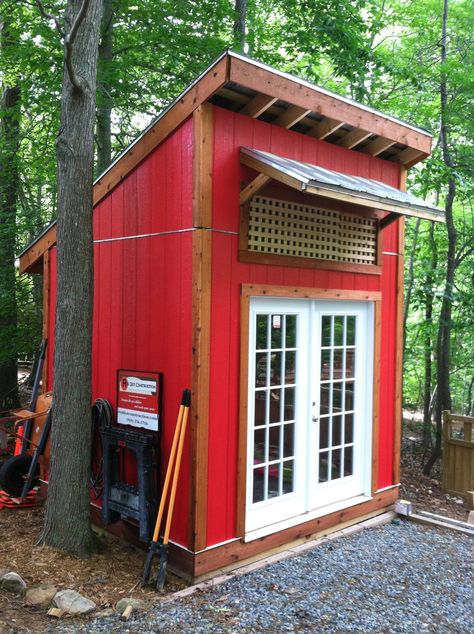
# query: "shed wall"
[[228, 274], [142, 289]]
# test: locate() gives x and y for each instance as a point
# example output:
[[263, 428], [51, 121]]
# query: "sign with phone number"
[[138, 399]]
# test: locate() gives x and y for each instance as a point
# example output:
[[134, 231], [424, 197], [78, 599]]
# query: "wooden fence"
[[458, 453]]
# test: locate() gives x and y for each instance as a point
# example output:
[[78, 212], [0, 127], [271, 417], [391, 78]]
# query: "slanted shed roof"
[[243, 85], [330, 184]]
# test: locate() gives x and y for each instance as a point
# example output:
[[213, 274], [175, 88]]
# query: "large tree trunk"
[[104, 98], [443, 348], [239, 25], [9, 145], [67, 522]]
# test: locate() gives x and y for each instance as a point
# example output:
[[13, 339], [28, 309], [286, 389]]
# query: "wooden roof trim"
[[376, 147], [289, 117], [335, 110], [257, 105], [325, 127], [260, 78], [353, 138], [32, 256]]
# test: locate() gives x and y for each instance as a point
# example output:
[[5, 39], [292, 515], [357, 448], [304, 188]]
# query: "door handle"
[[315, 419]]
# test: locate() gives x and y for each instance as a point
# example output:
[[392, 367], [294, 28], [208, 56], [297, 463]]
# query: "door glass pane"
[[290, 360], [258, 484], [262, 323], [336, 430], [261, 369], [349, 428], [323, 466], [260, 408], [288, 476], [275, 374], [336, 464], [289, 403], [274, 447], [290, 331], [259, 446], [276, 330], [288, 440], [275, 405], [338, 330], [348, 461], [324, 433], [326, 331], [350, 330], [274, 480]]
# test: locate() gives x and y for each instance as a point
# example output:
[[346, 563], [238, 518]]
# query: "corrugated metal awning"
[[312, 179]]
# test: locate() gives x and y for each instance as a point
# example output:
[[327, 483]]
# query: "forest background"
[[413, 59]]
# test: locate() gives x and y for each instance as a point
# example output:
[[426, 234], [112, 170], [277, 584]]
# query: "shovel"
[[172, 471]]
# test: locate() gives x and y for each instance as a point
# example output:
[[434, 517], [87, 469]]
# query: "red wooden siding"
[[142, 288], [230, 132]]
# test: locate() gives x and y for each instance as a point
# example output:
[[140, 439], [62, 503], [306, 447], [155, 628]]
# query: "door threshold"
[[310, 515]]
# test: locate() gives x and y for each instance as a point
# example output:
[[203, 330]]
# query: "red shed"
[[249, 245]]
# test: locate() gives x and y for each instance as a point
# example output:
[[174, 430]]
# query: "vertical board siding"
[[228, 274], [142, 291]]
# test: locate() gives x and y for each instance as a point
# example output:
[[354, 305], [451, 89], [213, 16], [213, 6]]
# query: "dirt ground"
[[424, 491], [104, 578]]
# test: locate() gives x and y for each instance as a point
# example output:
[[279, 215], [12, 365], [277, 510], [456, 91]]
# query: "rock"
[[136, 604], [41, 595], [13, 583], [72, 602], [102, 614], [470, 517]]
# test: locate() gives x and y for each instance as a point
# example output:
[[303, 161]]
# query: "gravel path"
[[395, 578]]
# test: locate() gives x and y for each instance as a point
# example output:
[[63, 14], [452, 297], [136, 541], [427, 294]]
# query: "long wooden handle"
[[169, 471], [175, 476]]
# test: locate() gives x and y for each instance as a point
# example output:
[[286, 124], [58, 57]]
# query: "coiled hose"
[[102, 416]]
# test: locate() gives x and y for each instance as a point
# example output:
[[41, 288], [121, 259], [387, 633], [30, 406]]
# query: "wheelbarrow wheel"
[[14, 472]]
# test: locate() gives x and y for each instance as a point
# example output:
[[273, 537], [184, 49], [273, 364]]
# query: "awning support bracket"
[[387, 220]]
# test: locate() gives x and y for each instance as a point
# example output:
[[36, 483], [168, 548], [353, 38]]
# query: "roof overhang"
[[253, 89], [356, 190]]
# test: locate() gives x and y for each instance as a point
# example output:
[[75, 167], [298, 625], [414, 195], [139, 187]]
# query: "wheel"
[[14, 472]]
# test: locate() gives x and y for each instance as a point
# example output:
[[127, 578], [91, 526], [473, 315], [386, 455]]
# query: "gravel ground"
[[395, 578]]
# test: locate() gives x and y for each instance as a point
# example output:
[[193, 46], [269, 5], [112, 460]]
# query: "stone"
[[469, 499], [41, 595], [72, 602], [136, 604], [106, 612], [470, 517], [13, 583]]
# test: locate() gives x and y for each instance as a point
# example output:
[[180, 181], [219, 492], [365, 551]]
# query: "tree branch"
[[69, 39], [49, 16]]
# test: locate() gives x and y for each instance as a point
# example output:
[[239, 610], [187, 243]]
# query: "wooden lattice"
[[285, 228]]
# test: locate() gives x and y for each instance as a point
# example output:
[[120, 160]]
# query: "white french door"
[[309, 407]]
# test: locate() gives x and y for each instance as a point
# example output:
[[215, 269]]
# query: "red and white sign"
[[138, 399]]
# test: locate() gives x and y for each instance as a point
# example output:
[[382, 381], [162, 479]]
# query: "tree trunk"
[[443, 348], [239, 25], [67, 521], [104, 98], [9, 180]]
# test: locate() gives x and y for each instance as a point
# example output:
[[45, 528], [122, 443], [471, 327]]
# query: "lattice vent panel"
[[285, 228]]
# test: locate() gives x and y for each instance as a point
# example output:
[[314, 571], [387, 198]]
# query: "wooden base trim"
[[216, 558]]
